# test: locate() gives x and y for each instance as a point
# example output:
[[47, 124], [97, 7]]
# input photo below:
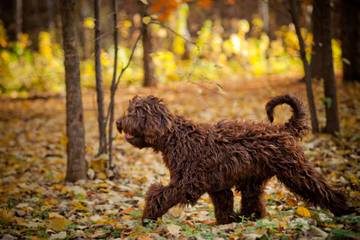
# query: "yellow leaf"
[[146, 20], [303, 211], [102, 185], [57, 222], [173, 229], [5, 216], [176, 211], [55, 215], [126, 217], [89, 22], [79, 206], [101, 175], [64, 140], [99, 164], [144, 237]]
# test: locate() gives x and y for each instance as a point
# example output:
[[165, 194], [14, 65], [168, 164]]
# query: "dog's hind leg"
[[223, 206], [301, 178], [252, 204]]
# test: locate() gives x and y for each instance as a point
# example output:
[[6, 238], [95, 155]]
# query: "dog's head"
[[147, 120]]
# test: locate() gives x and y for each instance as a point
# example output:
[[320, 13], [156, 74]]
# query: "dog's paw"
[[148, 222]]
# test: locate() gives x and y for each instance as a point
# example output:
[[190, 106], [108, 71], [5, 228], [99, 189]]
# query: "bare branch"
[[114, 84], [154, 21], [129, 60]]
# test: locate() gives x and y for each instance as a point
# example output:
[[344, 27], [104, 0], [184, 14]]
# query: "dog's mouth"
[[128, 136]]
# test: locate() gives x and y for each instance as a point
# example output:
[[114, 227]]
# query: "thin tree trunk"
[[57, 21], [149, 80], [309, 91], [8, 18], [76, 163], [317, 61], [264, 12], [84, 46], [99, 81], [50, 14], [18, 18], [332, 117], [113, 84], [350, 39]]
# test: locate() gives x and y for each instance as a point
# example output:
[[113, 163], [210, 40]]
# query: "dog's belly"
[[232, 171], [223, 177]]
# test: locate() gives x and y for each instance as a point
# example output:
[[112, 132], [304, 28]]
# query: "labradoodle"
[[213, 158]]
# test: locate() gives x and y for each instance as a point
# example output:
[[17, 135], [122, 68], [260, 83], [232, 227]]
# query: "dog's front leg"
[[160, 199]]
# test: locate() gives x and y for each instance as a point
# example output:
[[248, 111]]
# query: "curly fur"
[[205, 158]]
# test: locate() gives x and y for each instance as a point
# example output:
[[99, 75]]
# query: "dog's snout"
[[119, 124]]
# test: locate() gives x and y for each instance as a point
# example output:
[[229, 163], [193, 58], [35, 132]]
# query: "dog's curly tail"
[[297, 123]]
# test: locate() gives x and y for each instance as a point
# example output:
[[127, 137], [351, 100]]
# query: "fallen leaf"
[[58, 224], [303, 212], [60, 235], [6, 216], [173, 229]]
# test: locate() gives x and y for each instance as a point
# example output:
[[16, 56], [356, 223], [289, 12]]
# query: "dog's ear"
[[158, 120]]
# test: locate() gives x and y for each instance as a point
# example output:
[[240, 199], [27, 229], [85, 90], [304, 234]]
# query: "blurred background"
[[66, 173], [207, 39]]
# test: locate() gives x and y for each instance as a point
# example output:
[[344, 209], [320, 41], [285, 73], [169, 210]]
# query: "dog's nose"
[[119, 124]]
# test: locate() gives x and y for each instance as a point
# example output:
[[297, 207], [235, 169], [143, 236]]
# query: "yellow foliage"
[[6, 216], [89, 22], [3, 37], [179, 45], [45, 45], [303, 212], [57, 222], [244, 27], [24, 71]]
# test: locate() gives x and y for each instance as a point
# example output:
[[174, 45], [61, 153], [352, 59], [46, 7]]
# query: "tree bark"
[[99, 81], [113, 84], [50, 14], [76, 163], [18, 18], [307, 71], [265, 14], [149, 80], [323, 8], [8, 10], [83, 11], [317, 67], [350, 40]]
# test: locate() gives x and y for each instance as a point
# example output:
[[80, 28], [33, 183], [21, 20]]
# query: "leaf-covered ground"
[[36, 203]]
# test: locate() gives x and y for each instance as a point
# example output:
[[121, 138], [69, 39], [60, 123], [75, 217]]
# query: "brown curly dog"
[[205, 158]]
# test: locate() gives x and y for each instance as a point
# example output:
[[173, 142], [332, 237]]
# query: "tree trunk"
[[113, 84], [18, 18], [332, 118], [309, 91], [99, 81], [8, 10], [317, 66], [50, 14], [149, 80], [265, 14], [76, 163], [350, 41], [83, 11]]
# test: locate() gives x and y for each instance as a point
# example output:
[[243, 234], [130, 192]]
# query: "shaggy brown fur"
[[204, 158]]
